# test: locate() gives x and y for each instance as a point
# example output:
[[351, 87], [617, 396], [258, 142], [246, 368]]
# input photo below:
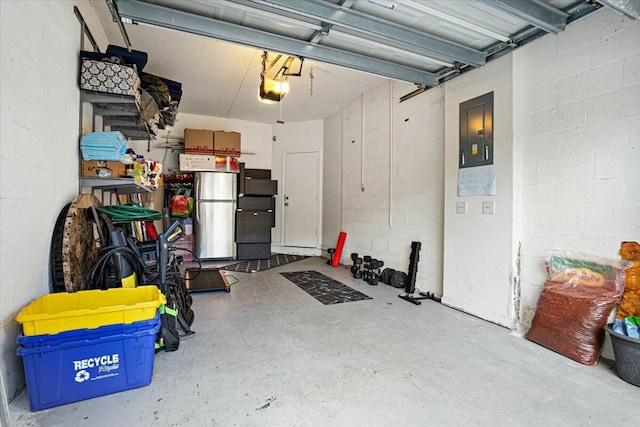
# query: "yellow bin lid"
[[60, 312]]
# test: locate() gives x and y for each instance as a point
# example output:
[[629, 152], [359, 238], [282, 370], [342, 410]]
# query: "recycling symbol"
[[82, 376]]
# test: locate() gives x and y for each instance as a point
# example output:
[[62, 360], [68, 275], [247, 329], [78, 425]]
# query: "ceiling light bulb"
[[273, 90]]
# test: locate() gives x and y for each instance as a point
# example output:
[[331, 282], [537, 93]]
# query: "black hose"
[[99, 277]]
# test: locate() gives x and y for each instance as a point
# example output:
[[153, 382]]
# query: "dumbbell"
[[378, 266], [372, 269], [331, 252], [376, 275], [357, 272], [354, 256], [366, 268]]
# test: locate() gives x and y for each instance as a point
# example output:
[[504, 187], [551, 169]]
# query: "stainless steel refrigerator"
[[215, 210]]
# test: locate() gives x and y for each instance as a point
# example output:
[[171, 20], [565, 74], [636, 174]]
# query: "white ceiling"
[[424, 42]]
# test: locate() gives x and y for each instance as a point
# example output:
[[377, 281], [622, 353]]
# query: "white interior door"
[[300, 200]]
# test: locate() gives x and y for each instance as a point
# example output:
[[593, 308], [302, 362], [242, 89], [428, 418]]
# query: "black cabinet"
[[253, 226], [247, 251], [255, 215]]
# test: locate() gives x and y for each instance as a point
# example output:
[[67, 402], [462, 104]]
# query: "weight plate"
[[382, 275], [404, 279], [393, 280], [399, 279], [391, 276], [386, 275]]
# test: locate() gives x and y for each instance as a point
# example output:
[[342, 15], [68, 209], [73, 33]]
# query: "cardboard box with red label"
[[208, 142], [198, 162]]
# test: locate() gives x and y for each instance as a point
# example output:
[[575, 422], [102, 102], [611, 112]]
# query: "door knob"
[[286, 204]]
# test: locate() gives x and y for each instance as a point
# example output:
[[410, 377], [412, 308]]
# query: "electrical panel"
[[476, 132]]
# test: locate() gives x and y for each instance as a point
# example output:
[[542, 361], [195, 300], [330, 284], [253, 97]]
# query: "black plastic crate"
[[256, 203], [253, 226], [253, 234], [254, 218], [260, 187], [248, 251], [257, 173]]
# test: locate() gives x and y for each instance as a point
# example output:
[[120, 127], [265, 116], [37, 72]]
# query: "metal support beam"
[[318, 35], [535, 12], [630, 8], [209, 27], [374, 28], [114, 13]]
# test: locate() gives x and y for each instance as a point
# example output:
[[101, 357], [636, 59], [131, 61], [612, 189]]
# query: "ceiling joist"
[[140, 11], [535, 12], [373, 28]]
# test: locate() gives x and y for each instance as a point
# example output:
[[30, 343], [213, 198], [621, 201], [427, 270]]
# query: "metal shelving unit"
[[122, 185], [108, 186], [119, 112]]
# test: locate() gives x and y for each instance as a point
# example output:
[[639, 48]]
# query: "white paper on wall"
[[477, 181]]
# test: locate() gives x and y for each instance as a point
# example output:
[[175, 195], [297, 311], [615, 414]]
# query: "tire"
[[55, 252]]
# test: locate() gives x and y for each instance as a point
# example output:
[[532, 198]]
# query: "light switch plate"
[[488, 207], [461, 208]]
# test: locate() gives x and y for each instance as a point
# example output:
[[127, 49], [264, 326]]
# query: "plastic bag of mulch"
[[575, 303]]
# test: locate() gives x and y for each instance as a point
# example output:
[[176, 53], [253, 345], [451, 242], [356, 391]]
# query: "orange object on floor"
[[336, 256]]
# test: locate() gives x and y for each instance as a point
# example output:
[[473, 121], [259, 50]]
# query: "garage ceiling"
[[214, 47]]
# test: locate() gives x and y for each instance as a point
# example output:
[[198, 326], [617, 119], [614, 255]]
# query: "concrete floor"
[[268, 354]]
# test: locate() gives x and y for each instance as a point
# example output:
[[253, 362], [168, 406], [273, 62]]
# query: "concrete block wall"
[[381, 220], [39, 167], [331, 180], [577, 119]]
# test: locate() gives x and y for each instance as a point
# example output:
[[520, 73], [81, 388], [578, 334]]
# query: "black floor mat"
[[323, 288], [254, 266]]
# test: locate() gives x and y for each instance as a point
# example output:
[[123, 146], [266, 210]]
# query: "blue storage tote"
[[85, 367], [85, 334]]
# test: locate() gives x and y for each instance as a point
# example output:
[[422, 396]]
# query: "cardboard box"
[[198, 162], [198, 141], [208, 142], [102, 169], [226, 143]]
